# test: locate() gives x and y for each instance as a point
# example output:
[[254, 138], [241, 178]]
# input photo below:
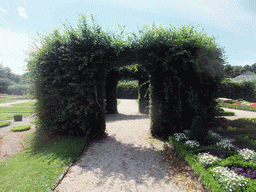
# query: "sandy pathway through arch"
[[127, 160]]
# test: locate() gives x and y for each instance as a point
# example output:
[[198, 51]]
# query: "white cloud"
[[3, 10], [22, 12], [12, 47]]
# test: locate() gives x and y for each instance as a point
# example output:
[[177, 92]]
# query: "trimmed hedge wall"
[[68, 73], [184, 69], [127, 90], [245, 90], [70, 69]]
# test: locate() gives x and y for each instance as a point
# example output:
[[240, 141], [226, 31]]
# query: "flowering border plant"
[[229, 179], [207, 159], [247, 154]]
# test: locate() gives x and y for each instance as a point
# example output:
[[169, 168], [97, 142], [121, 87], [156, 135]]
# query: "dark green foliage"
[[68, 73], [111, 86], [4, 83], [198, 131], [17, 117], [144, 96], [233, 90], [183, 73], [246, 140], [127, 90]]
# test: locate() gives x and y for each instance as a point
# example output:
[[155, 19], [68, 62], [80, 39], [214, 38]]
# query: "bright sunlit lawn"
[[38, 167]]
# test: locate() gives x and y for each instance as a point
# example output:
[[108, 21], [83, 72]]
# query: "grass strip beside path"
[[16, 109], [38, 167], [31, 103]]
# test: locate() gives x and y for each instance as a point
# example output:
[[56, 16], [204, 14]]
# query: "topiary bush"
[[68, 75], [17, 117], [184, 74], [198, 132]]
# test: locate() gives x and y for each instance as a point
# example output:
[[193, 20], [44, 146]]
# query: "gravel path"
[[11, 142], [127, 160], [240, 114]]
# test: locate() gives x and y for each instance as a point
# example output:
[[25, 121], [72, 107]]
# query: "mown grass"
[[6, 116], [16, 109], [31, 103], [10, 98], [4, 123], [21, 128], [38, 167]]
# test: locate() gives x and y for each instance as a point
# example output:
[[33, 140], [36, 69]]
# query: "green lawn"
[[38, 167], [10, 98], [25, 104], [16, 109]]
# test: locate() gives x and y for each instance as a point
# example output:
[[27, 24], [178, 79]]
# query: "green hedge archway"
[[70, 68]]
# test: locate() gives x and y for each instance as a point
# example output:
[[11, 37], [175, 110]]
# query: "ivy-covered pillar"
[[143, 95], [111, 84], [165, 103], [156, 103]]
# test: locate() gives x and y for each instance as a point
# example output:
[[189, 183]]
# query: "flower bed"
[[243, 105], [220, 166]]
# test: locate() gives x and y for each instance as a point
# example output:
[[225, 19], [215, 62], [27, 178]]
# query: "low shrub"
[[247, 140], [17, 117], [4, 123], [242, 122], [232, 173], [1, 136], [127, 90], [21, 128], [198, 132]]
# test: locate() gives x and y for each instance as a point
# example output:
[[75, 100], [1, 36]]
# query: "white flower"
[[225, 143], [214, 135], [228, 178], [206, 159], [192, 143], [247, 154], [180, 136]]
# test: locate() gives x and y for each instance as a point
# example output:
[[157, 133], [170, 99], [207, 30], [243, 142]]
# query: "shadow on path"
[[110, 160], [124, 117]]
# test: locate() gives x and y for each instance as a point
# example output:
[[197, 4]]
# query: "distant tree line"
[[11, 83], [234, 71]]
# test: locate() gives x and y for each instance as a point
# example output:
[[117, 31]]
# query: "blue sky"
[[232, 22]]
